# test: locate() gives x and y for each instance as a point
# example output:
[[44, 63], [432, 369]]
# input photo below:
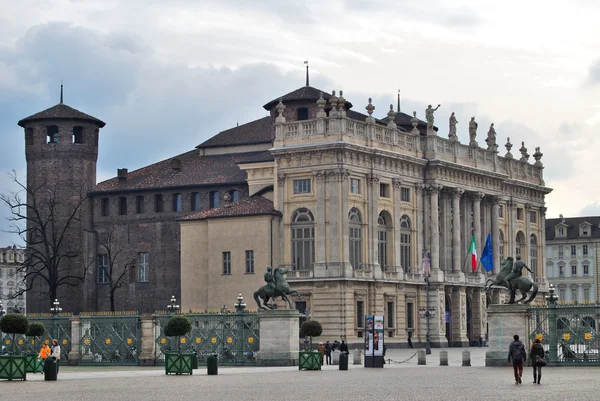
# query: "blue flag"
[[487, 260]]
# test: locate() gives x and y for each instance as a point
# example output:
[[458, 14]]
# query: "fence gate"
[[109, 338], [234, 337], [573, 329], [58, 327]]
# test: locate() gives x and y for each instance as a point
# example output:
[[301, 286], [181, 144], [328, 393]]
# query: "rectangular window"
[[561, 295], [405, 252], [226, 262], [586, 270], [574, 295], [249, 262], [501, 211], [384, 190], [214, 199], [105, 207], [158, 203], [301, 307], [573, 270], [410, 317], [519, 213], [355, 185], [585, 250], [140, 206], [103, 268], [533, 217], [586, 295], [143, 266], [176, 207], [561, 232], [405, 194], [195, 202], [573, 250], [560, 252], [561, 271], [123, 206], [390, 315], [360, 314], [302, 186]]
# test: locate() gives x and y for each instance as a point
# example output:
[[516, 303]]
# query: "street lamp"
[[1, 310], [56, 309], [552, 298], [241, 305], [173, 307]]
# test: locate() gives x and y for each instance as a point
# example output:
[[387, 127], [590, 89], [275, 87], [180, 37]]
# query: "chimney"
[[122, 174], [176, 164]]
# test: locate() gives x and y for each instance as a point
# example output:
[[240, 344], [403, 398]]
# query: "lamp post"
[[427, 315], [2, 312], [172, 307], [239, 310], [241, 305], [56, 309], [552, 300]]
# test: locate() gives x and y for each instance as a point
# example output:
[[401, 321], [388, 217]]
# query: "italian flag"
[[473, 252]]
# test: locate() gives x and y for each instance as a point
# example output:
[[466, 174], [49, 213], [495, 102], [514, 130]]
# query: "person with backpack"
[[536, 355], [517, 355]]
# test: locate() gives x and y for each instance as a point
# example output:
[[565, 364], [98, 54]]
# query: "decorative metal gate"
[[58, 327], [568, 332], [232, 336], [109, 338]]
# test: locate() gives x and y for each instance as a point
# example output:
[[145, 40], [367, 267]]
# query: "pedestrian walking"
[[55, 351], [327, 353], [517, 355], [536, 356], [321, 349], [410, 339]]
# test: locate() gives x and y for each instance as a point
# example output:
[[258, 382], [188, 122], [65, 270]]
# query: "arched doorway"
[[469, 326], [448, 319], [520, 243]]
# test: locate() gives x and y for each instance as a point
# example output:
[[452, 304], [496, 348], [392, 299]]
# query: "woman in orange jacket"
[[44, 352]]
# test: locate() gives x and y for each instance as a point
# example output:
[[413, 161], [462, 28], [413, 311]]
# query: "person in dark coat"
[[344, 347], [335, 345], [328, 353], [517, 355], [537, 350]]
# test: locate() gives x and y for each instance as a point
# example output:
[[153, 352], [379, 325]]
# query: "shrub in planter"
[[310, 329], [14, 324], [310, 360], [13, 366], [178, 363]]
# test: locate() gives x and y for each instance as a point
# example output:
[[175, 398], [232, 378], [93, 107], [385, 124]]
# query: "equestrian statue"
[[276, 286], [511, 277]]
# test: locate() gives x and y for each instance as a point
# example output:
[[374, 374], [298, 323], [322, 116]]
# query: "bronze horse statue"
[[282, 289], [522, 283]]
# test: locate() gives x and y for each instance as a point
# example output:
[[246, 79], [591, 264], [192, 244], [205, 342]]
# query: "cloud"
[[594, 73], [592, 209]]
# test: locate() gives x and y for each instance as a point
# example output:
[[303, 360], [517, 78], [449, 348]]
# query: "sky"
[[167, 75]]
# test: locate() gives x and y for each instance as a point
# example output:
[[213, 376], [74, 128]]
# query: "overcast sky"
[[167, 75]]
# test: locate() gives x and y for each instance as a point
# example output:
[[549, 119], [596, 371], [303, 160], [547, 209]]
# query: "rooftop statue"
[[429, 116], [511, 277], [452, 134], [276, 286], [472, 132]]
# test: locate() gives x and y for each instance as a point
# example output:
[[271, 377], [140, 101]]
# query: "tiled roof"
[[253, 206], [303, 93], [572, 227], [62, 112], [194, 170], [252, 133]]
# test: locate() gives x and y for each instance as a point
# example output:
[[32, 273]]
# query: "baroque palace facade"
[[348, 203]]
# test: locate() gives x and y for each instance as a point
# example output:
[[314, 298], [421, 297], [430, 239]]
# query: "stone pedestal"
[[279, 338], [504, 322]]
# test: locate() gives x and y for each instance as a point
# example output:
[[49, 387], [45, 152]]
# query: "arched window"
[[533, 256], [303, 239], [355, 238], [382, 239], [520, 244], [214, 199], [302, 113], [405, 240], [500, 247], [52, 133]]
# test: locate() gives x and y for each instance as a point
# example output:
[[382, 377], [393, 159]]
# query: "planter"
[[12, 367], [33, 365], [309, 360], [176, 363]]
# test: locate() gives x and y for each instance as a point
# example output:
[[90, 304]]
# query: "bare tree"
[[116, 266], [46, 220]]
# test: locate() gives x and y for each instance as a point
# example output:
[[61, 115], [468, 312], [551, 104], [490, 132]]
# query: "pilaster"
[[321, 237], [335, 217], [527, 252], [280, 206], [496, 233], [373, 251], [434, 191], [477, 197], [458, 320], [456, 243], [419, 229]]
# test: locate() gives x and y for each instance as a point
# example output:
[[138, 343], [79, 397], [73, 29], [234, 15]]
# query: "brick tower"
[[61, 149]]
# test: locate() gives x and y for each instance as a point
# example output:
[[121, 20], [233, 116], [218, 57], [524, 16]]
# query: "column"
[[434, 191], [542, 250], [456, 249], [477, 197], [526, 253], [321, 237], [397, 184], [445, 232], [496, 233], [333, 179], [286, 257], [512, 225], [419, 226], [343, 187], [372, 217]]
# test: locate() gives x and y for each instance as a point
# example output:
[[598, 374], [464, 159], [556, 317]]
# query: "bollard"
[[443, 358], [357, 358], [421, 357], [212, 365], [343, 361], [466, 357]]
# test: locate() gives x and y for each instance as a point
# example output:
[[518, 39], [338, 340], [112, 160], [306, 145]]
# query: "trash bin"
[[50, 368], [194, 361], [212, 365], [343, 361]]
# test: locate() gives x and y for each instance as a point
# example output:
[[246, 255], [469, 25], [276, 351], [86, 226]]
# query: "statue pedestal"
[[504, 321], [279, 338]]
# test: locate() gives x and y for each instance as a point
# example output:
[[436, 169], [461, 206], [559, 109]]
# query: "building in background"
[[12, 280], [572, 245]]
